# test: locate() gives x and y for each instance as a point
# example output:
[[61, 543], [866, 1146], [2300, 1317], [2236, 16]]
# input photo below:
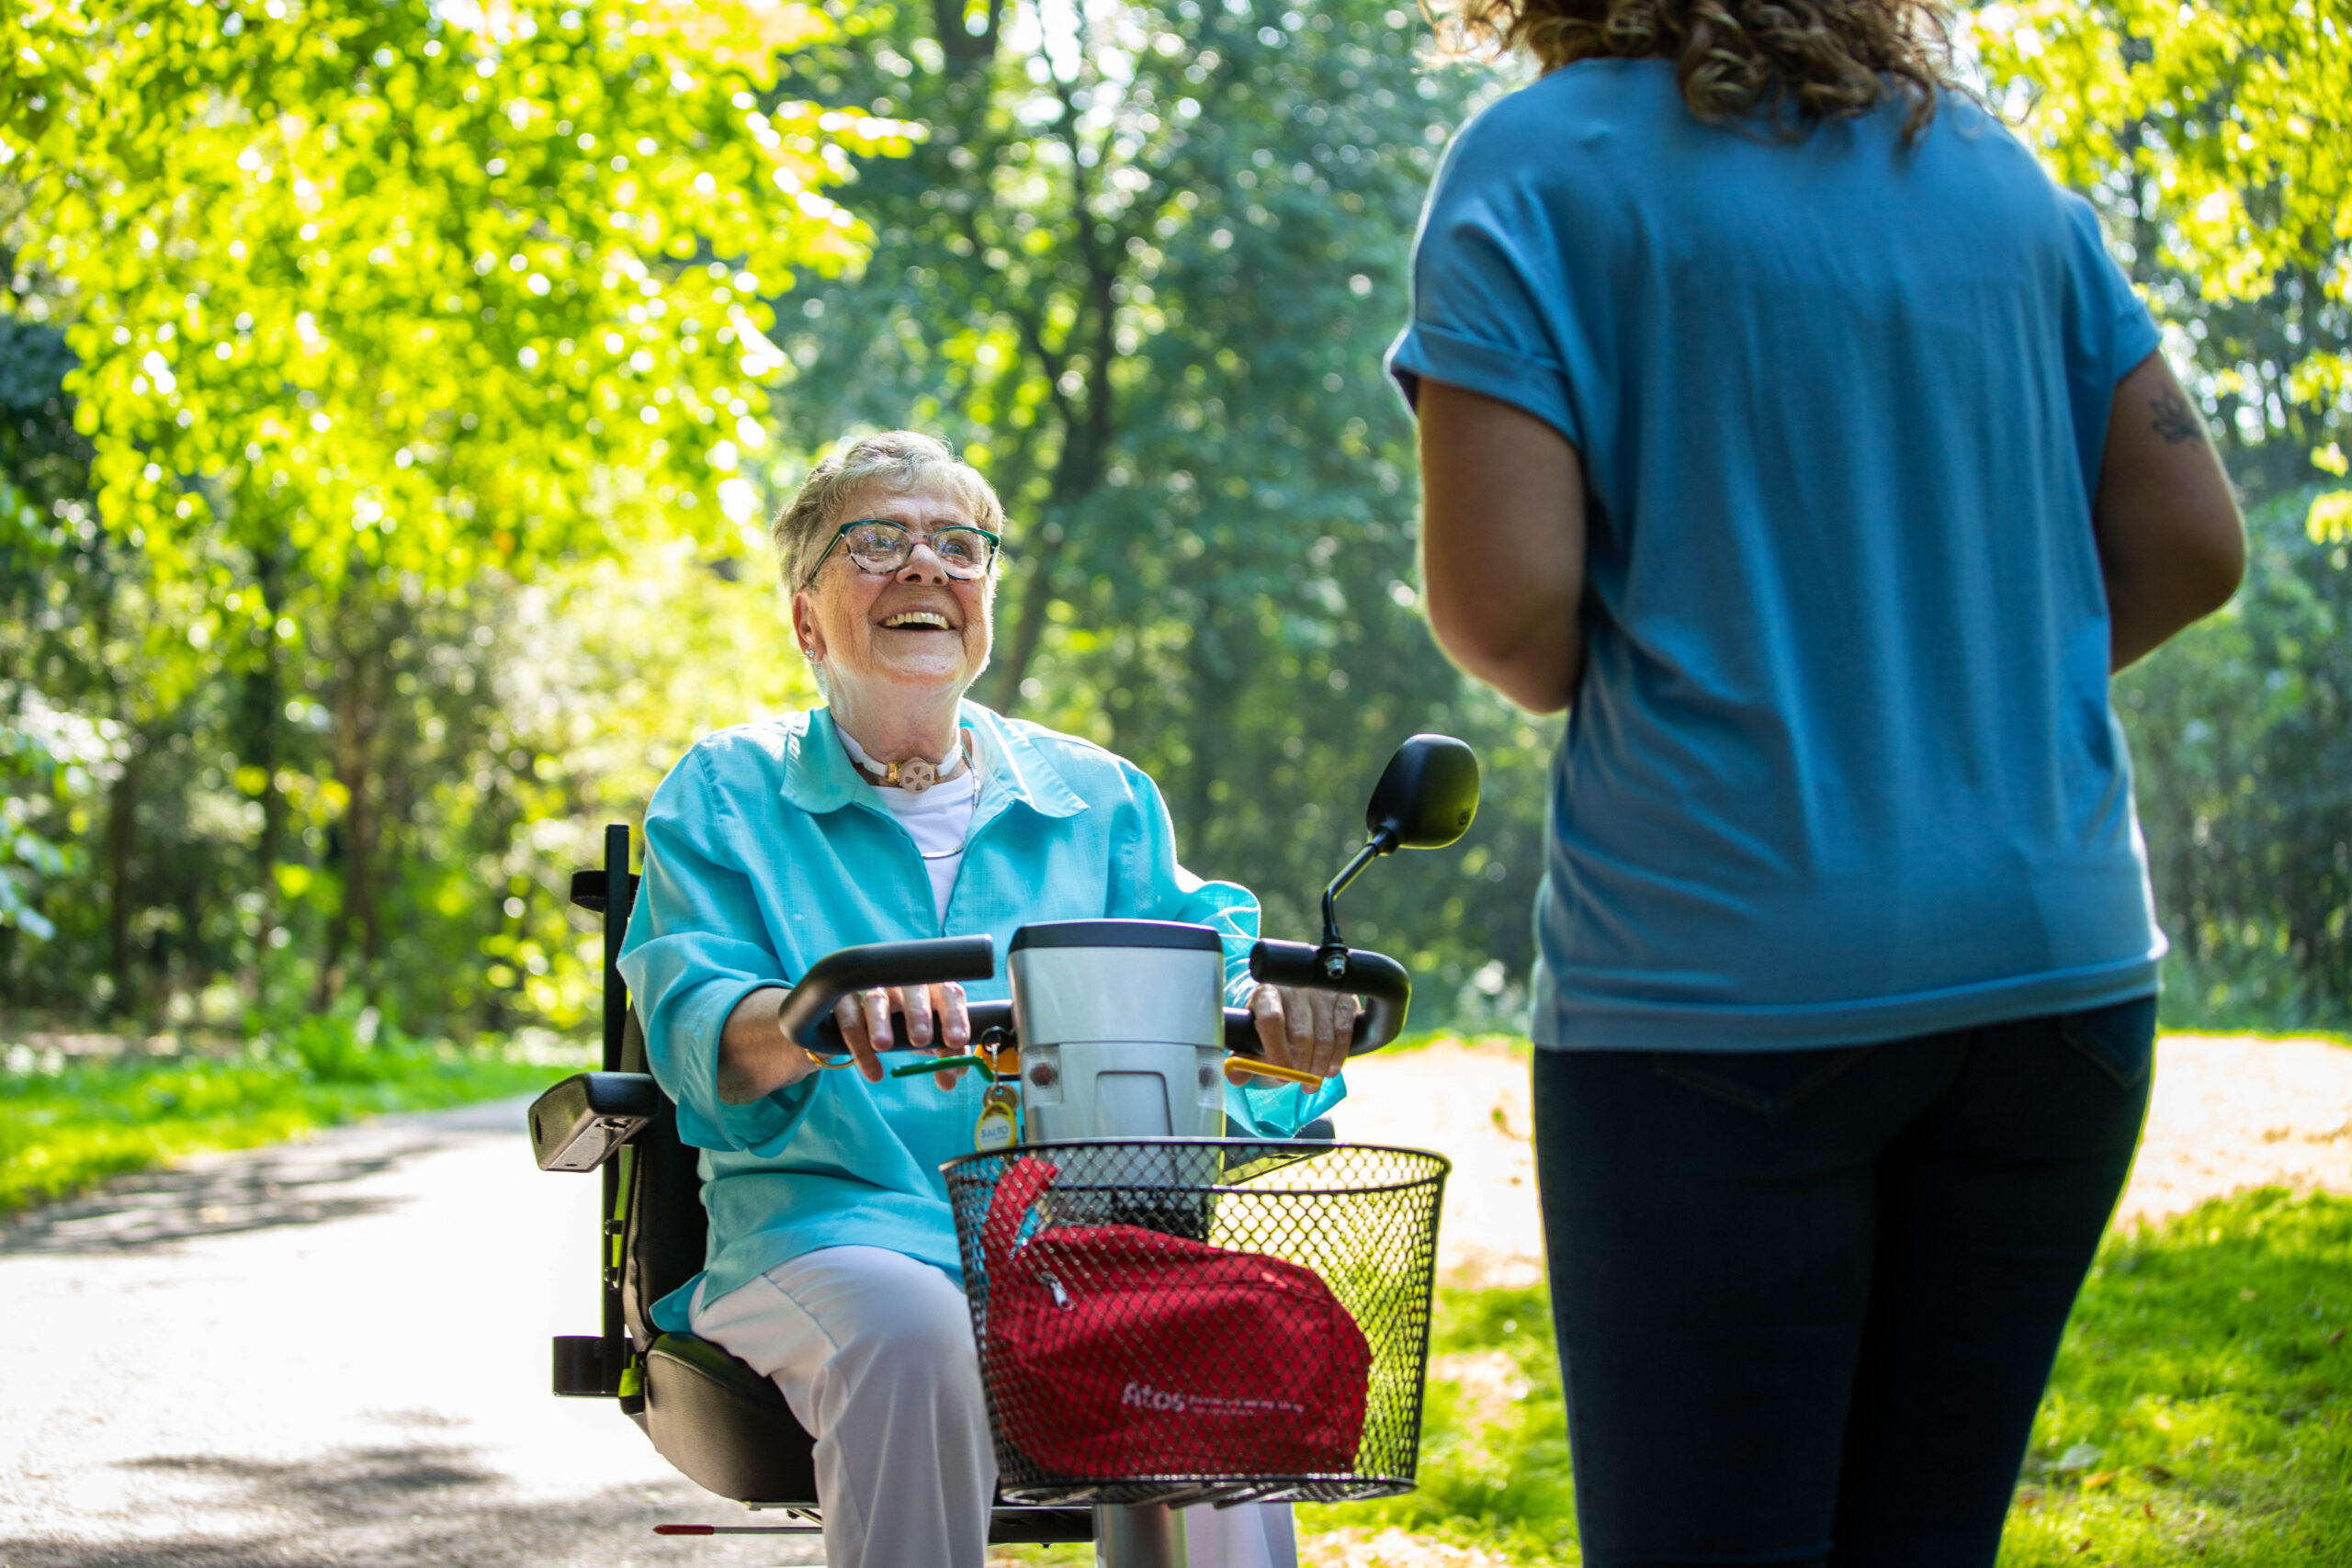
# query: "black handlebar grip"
[[1380, 980], [1241, 1032], [985, 1015], [853, 969]]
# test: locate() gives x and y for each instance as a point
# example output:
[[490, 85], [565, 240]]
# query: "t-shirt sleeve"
[[1490, 296], [2109, 333]]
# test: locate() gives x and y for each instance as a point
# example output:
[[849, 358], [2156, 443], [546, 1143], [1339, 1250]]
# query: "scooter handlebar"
[[1380, 980], [808, 1014]]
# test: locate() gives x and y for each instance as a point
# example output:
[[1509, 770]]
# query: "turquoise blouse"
[[763, 853]]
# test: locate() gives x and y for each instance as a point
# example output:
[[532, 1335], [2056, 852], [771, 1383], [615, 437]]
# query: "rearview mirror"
[[1425, 796], [1425, 799]]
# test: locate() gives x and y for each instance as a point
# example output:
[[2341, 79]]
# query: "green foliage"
[[67, 1125], [2212, 136], [333, 328], [32, 777], [348, 282], [343, 696], [2241, 733]]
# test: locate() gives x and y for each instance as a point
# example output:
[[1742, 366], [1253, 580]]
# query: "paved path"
[[335, 1351], [330, 1352]]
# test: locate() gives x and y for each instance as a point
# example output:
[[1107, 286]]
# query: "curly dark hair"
[[1824, 59]]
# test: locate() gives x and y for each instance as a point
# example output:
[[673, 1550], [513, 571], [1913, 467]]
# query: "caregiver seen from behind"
[[1780, 419], [896, 811]]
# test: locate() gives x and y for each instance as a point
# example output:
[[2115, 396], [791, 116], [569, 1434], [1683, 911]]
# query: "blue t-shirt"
[[1842, 767]]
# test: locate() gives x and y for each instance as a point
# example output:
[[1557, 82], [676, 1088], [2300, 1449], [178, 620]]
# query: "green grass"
[[2200, 1412], [1494, 1466], [66, 1125], [2202, 1406]]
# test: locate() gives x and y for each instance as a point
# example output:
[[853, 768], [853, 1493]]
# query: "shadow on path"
[[404, 1506], [264, 1189]]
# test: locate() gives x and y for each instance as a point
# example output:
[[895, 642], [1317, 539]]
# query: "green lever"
[[940, 1063]]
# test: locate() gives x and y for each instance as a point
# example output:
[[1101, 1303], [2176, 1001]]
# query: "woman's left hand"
[[1307, 1030]]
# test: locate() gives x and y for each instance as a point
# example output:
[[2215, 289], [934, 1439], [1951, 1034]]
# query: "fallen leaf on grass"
[[2082, 1456]]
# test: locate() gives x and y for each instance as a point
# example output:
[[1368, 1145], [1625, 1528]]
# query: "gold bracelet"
[[812, 1056]]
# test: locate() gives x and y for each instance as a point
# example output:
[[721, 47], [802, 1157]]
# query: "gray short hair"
[[900, 459]]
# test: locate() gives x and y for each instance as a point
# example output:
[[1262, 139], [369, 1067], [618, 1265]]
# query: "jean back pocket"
[[2119, 1039]]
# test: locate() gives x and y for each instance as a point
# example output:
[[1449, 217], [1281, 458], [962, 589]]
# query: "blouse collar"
[[820, 777]]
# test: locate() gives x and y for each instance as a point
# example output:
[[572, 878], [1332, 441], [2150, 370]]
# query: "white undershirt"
[[939, 818]]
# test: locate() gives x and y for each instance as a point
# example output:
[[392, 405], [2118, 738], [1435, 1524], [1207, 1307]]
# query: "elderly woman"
[[897, 810]]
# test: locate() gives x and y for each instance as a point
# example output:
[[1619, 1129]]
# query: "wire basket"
[[1179, 1320]]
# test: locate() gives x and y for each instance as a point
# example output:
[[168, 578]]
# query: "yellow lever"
[[1275, 1070]]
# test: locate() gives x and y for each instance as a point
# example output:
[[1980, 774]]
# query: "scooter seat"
[[725, 1425], [730, 1431]]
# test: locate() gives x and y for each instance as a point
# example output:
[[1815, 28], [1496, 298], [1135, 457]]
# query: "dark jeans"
[[1806, 1300]]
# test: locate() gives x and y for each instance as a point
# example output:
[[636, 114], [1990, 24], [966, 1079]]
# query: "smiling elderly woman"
[[898, 810]]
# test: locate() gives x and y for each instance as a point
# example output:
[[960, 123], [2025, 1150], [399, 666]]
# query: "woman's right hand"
[[755, 1058], [937, 1020]]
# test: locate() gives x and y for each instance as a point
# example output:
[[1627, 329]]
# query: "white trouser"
[[873, 1353]]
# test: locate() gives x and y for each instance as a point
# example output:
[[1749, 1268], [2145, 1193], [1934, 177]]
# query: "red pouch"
[[1116, 1352]]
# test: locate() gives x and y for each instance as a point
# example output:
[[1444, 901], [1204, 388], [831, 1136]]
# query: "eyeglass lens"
[[885, 546]]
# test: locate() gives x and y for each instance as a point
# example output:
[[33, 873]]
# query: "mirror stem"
[[1334, 951]]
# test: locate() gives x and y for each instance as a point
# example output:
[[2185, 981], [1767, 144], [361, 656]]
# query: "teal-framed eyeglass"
[[876, 545]]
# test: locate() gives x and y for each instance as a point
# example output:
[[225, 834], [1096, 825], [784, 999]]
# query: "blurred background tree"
[[386, 452], [390, 396], [335, 328], [1143, 266]]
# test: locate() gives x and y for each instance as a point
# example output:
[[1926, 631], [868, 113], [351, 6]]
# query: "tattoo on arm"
[[2176, 422]]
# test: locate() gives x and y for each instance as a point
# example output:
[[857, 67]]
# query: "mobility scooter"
[[1165, 1316]]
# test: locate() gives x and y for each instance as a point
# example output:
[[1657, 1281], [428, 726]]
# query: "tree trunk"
[[354, 724], [365, 889], [1029, 626], [967, 51], [264, 714], [122, 843]]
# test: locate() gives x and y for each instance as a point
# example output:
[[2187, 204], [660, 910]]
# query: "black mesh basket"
[[1177, 1320]]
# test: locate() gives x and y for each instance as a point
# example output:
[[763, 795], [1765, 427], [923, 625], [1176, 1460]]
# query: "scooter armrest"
[[581, 1122]]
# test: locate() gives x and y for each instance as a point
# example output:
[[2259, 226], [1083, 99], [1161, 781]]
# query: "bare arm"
[[2171, 544], [1502, 545], [754, 1058]]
